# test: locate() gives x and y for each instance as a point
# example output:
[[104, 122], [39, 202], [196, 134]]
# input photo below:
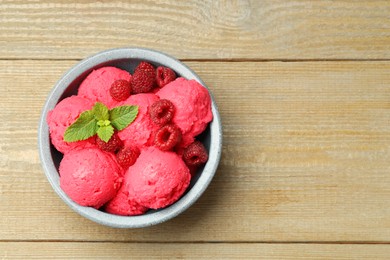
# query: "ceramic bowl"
[[127, 59]]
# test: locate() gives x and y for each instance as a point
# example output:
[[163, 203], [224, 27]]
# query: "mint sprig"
[[100, 111], [105, 132], [119, 116], [101, 121], [83, 128]]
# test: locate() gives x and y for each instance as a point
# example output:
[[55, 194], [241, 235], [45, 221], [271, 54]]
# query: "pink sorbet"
[[139, 132], [124, 204], [193, 107], [89, 176], [96, 86], [63, 115], [158, 178]]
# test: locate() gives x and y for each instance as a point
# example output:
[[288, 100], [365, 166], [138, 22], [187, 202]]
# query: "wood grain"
[[306, 158], [299, 29], [23, 250]]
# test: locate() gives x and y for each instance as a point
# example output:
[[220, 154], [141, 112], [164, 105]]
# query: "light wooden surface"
[[303, 88], [71, 250], [207, 29]]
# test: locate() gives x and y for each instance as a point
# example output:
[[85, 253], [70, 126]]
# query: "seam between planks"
[[197, 242], [221, 60]]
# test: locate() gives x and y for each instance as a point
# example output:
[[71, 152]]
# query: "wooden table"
[[303, 88]]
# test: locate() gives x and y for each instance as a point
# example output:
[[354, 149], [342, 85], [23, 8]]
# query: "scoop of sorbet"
[[62, 116], [89, 176], [96, 86], [123, 204], [158, 178], [139, 132], [192, 107]]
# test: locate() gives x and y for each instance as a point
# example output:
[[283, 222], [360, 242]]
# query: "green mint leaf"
[[83, 128], [105, 132], [122, 116], [103, 122], [101, 111]]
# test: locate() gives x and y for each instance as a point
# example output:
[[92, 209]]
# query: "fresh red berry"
[[120, 90], [162, 111], [145, 66], [112, 146], [144, 79], [127, 156], [195, 154], [164, 75], [167, 137]]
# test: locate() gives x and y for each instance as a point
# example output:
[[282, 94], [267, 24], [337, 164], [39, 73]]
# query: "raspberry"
[[161, 112], [113, 145], [167, 137], [120, 90], [144, 79], [144, 66], [164, 76], [195, 154], [127, 156]]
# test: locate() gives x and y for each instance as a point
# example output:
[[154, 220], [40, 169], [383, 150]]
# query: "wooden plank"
[[60, 250], [306, 157], [298, 29]]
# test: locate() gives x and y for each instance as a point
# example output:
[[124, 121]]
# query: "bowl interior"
[[128, 59]]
